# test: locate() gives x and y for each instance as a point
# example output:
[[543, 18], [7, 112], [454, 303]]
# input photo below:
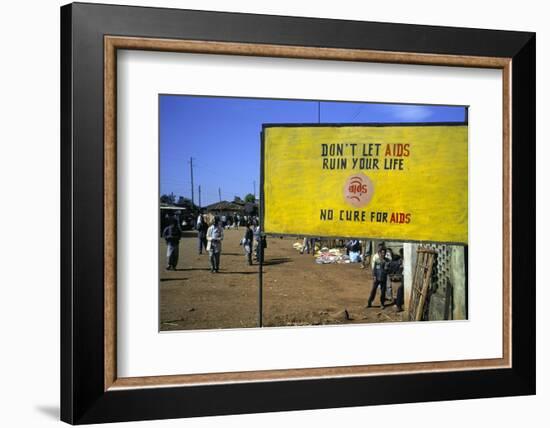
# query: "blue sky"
[[222, 135]]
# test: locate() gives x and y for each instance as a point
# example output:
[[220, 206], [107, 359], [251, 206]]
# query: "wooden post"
[[421, 282], [260, 281], [426, 281]]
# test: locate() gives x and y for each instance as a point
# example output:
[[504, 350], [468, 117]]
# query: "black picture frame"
[[83, 396]]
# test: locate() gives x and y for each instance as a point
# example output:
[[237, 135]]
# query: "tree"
[[237, 200], [250, 198], [168, 199], [184, 201]]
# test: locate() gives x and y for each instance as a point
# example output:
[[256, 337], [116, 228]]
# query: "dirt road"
[[297, 291]]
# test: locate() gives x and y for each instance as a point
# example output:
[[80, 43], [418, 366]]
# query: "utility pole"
[[192, 185], [220, 193], [254, 184], [200, 197]]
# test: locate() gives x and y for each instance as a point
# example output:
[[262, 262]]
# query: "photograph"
[[278, 210], [291, 212]]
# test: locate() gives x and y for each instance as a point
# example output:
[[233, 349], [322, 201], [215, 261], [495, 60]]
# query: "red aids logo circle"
[[358, 190]]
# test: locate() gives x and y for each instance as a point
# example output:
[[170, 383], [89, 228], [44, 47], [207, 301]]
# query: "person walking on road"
[[308, 244], [379, 278], [214, 237], [172, 235], [202, 228], [261, 244], [248, 243]]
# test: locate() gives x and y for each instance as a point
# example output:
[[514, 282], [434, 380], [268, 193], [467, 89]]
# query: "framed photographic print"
[[265, 213]]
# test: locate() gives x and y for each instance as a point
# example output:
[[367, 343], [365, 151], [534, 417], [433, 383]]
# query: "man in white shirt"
[[214, 236]]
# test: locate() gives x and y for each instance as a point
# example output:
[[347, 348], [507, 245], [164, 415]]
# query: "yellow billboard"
[[405, 182]]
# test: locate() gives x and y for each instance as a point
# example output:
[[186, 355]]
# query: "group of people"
[[384, 264], [236, 220], [253, 242], [232, 221], [209, 239]]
